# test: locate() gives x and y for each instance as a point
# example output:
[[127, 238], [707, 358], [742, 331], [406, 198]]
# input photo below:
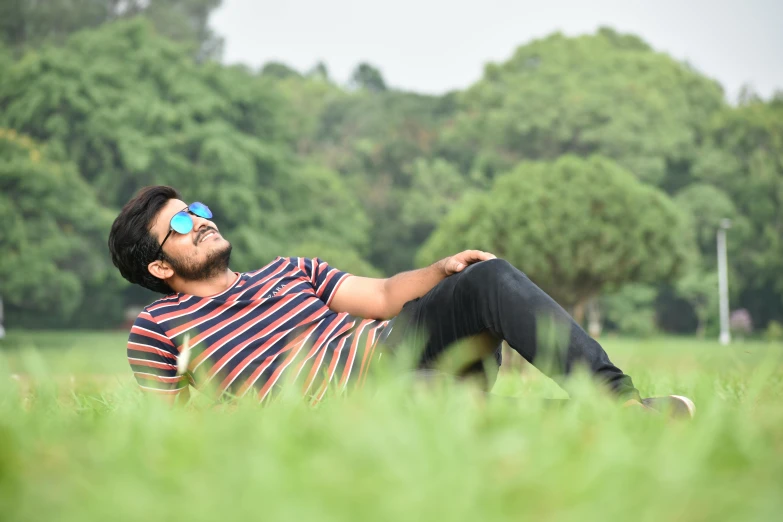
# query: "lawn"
[[78, 442]]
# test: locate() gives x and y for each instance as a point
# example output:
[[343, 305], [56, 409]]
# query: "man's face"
[[194, 256]]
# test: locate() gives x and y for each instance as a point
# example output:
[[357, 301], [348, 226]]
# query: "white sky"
[[434, 46]]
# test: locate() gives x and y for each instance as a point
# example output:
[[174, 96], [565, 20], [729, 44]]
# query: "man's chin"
[[217, 261], [220, 255]]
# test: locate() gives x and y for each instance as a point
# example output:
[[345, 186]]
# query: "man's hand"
[[458, 262]]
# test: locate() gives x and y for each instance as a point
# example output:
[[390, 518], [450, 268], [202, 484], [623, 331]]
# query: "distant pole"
[[723, 283]]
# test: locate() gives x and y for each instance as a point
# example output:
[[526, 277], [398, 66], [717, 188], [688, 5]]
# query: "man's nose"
[[199, 223]]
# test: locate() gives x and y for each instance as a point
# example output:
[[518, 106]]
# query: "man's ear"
[[160, 269]]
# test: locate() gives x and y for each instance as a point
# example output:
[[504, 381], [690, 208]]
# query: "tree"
[[607, 94], [436, 186], [28, 23], [55, 268], [700, 290], [323, 210], [374, 141], [631, 310], [132, 109], [279, 70], [186, 21], [707, 206], [365, 76], [743, 157], [129, 109], [307, 100], [347, 260], [575, 226], [319, 71]]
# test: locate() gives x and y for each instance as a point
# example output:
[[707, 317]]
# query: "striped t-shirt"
[[272, 326]]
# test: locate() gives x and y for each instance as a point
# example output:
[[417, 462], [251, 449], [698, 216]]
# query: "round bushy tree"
[[575, 226]]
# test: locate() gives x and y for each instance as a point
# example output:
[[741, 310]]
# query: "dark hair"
[[131, 244]]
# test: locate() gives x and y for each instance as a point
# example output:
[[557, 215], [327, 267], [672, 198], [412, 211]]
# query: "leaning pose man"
[[300, 320]]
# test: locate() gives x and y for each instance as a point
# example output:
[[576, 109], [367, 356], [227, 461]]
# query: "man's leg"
[[495, 301]]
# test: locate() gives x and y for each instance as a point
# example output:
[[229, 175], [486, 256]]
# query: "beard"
[[215, 264]]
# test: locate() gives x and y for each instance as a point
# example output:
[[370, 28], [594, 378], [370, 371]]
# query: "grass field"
[[78, 442]]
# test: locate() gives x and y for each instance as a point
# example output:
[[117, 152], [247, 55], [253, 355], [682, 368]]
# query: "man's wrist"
[[440, 267]]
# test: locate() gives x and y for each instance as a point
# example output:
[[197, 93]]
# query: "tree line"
[[595, 164]]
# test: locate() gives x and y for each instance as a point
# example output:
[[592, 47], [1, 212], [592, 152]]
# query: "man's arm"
[[383, 298]]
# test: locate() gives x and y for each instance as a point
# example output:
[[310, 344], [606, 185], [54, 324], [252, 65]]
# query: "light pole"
[[723, 282]]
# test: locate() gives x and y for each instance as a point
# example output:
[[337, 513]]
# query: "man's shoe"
[[674, 405]]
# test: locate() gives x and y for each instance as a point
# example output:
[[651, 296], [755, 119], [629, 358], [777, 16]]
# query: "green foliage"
[[185, 21], [307, 100], [631, 310], [606, 94], [375, 140], [346, 260], [367, 77], [700, 290], [744, 157], [436, 186], [774, 332], [124, 93], [707, 206], [54, 268], [574, 226], [319, 71], [279, 70], [31, 23], [322, 208], [378, 135], [131, 109]]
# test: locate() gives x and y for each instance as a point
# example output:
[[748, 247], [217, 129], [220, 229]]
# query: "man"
[[300, 320]]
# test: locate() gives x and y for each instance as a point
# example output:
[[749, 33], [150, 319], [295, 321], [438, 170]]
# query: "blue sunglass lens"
[[201, 210], [182, 223]]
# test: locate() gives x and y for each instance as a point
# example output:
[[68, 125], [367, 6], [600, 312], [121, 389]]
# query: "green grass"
[[78, 442]]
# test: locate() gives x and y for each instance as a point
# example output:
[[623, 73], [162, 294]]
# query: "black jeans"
[[492, 301]]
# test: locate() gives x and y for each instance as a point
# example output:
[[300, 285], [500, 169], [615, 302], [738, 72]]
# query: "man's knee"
[[486, 278], [492, 271]]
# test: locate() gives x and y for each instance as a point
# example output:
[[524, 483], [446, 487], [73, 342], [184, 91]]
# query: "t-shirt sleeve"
[[324, 278], [153, 357]]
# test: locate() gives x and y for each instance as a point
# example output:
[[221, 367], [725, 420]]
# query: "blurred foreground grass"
[[78, 442]]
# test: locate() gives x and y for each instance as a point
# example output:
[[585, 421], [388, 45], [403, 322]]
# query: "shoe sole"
[[688, 404], [678, 405]]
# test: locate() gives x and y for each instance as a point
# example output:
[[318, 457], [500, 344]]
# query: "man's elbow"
[[387, 307]]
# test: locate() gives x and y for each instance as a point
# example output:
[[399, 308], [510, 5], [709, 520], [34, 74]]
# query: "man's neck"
[[208, 287]]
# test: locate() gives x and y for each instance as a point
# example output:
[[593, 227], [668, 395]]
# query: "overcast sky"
[[435, 46]]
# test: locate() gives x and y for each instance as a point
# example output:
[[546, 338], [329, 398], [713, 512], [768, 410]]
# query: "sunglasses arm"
[[161, 244]]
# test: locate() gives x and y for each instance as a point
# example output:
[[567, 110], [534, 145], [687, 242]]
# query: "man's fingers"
[[480, 255], [458, 262]]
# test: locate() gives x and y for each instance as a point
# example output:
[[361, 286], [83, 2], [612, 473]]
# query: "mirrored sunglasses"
[[182, 223]]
